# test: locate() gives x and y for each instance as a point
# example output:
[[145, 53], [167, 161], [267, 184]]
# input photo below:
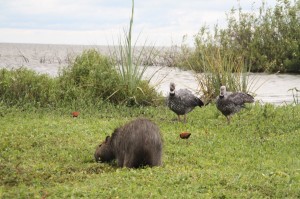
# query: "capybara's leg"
[[154, 159], [120, 162], [131, 161]]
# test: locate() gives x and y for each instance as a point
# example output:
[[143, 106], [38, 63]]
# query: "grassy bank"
[[46, 153]]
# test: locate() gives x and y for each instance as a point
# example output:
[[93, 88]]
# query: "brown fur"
[[136, 144]]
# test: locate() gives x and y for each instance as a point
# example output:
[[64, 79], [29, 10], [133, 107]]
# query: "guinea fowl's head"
[[222, 91], [172, 88]]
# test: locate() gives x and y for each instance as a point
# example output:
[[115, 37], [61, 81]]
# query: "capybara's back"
[[136, 144]]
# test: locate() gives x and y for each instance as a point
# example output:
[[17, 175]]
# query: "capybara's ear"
[[107, 138]]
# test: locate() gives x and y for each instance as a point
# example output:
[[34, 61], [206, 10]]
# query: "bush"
[[267, 39], [23, 86], [91, 76], [89, 81]]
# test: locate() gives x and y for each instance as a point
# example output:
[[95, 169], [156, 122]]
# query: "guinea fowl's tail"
[[246, 98], [249, 99], [200, 102]]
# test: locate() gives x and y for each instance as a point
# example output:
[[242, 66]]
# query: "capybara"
[[136, 144]]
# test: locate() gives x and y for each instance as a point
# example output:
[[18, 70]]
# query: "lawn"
[[49, 154]]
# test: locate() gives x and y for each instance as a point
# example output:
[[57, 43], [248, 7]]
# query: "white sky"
[[101, 22]]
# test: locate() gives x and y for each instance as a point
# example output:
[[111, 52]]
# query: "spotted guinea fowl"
[[230, 103], [182, 101]]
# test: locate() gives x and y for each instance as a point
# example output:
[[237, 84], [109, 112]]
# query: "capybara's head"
[[104, 152]]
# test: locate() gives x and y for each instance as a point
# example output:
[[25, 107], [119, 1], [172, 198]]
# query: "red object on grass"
[[75, 114], [185, 135]]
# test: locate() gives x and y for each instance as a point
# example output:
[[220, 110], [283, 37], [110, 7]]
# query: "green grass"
[[47, 153]]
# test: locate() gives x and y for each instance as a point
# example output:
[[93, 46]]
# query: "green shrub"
[[268, 39], [91, 76], [94, 78], [89, 81], [23, 86]]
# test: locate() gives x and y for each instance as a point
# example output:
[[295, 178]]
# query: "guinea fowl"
[[182, 101], [230, 103]]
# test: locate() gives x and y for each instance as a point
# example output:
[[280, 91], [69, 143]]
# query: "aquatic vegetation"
[[219, 68]]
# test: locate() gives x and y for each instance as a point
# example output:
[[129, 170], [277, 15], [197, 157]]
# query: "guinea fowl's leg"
[[228, 119], [178, 118], [184, 118]]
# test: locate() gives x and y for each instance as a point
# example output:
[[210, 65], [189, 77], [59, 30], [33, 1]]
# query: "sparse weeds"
[[295, 93]]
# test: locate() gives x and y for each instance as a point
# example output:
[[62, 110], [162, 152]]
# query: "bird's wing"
[[187, 97], [239, 98]]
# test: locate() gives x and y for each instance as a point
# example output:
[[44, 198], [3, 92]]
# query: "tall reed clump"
[[218, 66], [129, 60], [26, 87]]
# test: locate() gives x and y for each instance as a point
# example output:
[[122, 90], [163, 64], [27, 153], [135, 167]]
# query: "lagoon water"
[[46, 58]]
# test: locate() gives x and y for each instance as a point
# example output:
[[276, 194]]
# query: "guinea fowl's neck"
[[172, 93]]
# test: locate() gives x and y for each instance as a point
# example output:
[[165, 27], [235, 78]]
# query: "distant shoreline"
[[50, 57], [79, 45]]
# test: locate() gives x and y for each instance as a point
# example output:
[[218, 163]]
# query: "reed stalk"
[[128, 59], [221, 68]]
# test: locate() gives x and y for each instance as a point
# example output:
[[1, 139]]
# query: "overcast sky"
[[100, 22]]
